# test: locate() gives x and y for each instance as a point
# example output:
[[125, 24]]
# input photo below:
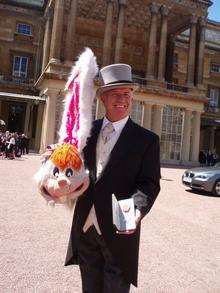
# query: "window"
[[20, 65], [175, 59], [175, 80], [215, 67], [94, 108], [214, 94], [24, 29], [137, 111], [171, 136]]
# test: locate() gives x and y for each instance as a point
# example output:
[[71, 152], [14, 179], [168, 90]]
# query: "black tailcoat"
[[133, 170]]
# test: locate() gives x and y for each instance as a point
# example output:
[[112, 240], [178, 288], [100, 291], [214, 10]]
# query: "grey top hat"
[[116, 76]]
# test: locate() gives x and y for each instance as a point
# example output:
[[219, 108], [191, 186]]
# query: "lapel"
[[91, 149], [119, 149]]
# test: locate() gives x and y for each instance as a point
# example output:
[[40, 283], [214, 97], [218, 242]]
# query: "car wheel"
[[216, 189]]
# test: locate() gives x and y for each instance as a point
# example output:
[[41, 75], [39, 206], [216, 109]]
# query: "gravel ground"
[[180, 238]]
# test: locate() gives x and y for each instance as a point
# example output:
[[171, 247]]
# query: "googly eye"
[[55, 171], [69, 172]]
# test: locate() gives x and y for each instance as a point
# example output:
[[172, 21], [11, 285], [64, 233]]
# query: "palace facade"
[[21, 38], [172, 47]]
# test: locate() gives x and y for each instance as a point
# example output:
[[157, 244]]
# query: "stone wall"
[[180, 69], [12, 43]]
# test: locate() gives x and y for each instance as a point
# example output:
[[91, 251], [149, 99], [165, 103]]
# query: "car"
[[203, 178]]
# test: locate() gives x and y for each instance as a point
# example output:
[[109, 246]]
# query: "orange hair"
[[66, 155]]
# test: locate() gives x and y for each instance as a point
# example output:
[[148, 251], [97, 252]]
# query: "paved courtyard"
[[180, 241]]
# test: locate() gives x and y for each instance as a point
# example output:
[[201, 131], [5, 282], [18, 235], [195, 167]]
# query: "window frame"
[[214, 71], [216, 96], [137, 111], [23, 33], [18, 73], [172, 133]]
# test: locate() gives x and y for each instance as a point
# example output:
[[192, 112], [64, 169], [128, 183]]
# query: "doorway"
[[16, 117]]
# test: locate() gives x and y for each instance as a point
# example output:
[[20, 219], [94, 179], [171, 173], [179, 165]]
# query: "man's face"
[[117, 103]]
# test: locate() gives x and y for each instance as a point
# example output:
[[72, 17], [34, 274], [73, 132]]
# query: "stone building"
[[21, 37], [210, 118], [174, 53]]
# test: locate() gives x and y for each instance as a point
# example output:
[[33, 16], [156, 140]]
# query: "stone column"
[[194, 155], [120, 27], [201, 49], [70, 35], [192, 52], [107, 44], [27, 118], [49, 119], [154, 8], [57, 30], [163, 43], [186, 136], [147, 115], [40, 112], [157, 119], [47, 38]]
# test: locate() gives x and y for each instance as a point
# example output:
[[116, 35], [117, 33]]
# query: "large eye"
[[69, 172], [55, 171]]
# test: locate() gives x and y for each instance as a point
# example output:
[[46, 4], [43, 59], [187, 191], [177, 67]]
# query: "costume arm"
[[148, 179]]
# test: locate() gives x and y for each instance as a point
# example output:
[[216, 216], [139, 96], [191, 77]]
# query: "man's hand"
[[49, 150], [137, 220]]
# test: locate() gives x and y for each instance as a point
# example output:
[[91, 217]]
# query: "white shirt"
[[102, 156], [12, 140]]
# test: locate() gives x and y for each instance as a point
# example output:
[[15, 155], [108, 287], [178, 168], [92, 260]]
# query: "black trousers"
[[99, 271]]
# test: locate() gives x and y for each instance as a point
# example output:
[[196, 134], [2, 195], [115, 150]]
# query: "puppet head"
[[63, 175]]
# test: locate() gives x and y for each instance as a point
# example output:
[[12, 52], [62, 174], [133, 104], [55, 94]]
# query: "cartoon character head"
[[63, 175]]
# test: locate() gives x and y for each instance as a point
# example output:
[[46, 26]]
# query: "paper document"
[[123, 213]]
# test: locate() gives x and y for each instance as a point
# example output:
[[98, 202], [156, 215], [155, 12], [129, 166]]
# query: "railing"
[[212, 109], [143, 82], [176, 87], [16, 80], [139, 80]]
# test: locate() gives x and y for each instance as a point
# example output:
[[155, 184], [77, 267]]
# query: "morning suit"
[[133, 170]]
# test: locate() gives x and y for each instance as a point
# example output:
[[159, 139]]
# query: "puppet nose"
[[62, 183]]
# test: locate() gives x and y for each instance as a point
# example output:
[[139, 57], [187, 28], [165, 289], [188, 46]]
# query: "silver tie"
[[107, 132]]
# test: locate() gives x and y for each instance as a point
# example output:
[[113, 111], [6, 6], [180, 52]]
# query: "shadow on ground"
[[202, 193]]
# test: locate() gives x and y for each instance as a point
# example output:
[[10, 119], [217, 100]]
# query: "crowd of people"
[[13, 144], [207, 158]]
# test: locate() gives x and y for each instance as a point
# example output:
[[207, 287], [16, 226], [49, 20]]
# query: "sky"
[[214, 11]]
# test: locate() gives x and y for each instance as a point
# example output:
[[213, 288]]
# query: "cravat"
[[107, 132]]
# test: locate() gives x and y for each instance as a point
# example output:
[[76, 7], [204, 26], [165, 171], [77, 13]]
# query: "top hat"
[[116, 76]]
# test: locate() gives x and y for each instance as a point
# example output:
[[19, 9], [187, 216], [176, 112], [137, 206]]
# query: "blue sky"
[[214, 10]]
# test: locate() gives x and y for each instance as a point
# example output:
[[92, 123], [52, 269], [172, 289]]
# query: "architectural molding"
[[193, 19], [154, 8], [164, 10]]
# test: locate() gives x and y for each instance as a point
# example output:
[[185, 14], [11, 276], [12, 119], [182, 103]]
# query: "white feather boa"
[[87, 68]]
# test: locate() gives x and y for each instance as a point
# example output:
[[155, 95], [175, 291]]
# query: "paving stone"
[[180, 238]]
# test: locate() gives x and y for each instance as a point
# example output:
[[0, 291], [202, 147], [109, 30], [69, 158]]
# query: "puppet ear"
[[77, 116]]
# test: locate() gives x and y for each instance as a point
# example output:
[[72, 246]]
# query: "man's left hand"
[[137, 220]]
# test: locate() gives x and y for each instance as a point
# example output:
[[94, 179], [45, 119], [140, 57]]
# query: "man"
[[123, 159]]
